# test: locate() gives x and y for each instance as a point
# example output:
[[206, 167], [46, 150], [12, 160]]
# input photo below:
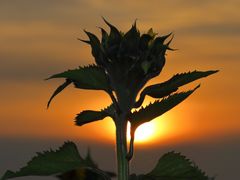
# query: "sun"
[[145, 132]]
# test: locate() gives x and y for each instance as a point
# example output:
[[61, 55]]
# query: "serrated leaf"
[[90, 116], [90, 172], [59, 89], [157, 108], [174, 166], [166, 88], [89, 77], [51, 162], [152, 111]]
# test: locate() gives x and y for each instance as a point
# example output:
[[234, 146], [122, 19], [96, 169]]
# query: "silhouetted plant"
[[125, 62]]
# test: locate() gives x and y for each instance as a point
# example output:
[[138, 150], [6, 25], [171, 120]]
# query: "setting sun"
[[144, 133]]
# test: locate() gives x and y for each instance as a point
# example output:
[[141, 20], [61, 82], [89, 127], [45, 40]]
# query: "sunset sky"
[[38, 38]]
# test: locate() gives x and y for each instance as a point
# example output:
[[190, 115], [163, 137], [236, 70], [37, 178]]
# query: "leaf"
[[88, 77], [166, 88], [58, 90], [174, 166], [62, 161], [157, 109], [91, 172], [152, 111], [90, 116], [51, 162]]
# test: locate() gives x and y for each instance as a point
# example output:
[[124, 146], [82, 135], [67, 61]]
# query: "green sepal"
[[166, 88], [88, 77], [65, 159], [89, 116]]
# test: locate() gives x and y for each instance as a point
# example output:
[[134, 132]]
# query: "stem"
[[131, 149], [121, 143]]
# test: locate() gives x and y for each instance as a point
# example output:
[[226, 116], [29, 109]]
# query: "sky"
[[39, 38]]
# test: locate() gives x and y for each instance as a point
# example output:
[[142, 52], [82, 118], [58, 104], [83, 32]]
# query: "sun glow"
[[145, 132]]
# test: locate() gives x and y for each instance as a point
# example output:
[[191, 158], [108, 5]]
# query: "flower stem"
[[121, 143]]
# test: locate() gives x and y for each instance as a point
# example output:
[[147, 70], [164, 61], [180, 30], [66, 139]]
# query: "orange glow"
[[144, 133], [150, 131]]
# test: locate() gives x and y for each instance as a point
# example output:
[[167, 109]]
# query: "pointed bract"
[[85, 41], [161, 39], [58, 90], [105, 37], [97, 50], [144, 42], [114, 36]]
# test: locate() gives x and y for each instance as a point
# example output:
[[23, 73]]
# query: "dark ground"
[[220, 159]]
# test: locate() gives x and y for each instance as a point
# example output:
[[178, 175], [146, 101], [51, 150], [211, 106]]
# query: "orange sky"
[[38, 38]]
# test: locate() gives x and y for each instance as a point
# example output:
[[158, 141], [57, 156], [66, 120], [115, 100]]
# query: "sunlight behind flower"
[[148, 132], [144, 133]]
